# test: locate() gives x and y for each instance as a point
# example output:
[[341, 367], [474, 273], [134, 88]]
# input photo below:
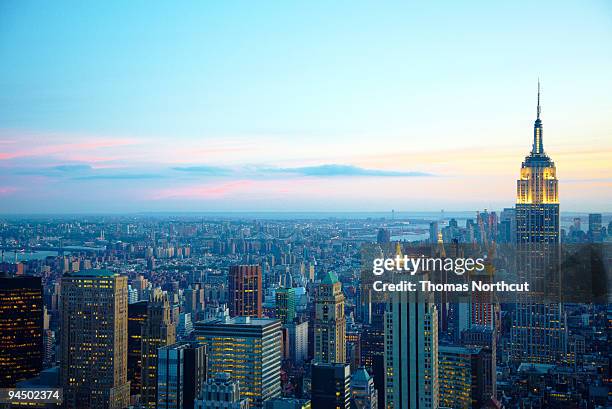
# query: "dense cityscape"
[[268, 311]]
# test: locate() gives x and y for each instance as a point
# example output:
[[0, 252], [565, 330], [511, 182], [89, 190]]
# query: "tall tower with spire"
[[537, 193], [539, 331]]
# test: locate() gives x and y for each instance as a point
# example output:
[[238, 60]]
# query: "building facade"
[[245, 291], [94, 340], [249, 350], [330, 322], [21, 329]]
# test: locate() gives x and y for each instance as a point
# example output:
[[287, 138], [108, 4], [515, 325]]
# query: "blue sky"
[[278, 105]]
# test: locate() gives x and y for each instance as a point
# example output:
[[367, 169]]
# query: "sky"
[[299, 106]]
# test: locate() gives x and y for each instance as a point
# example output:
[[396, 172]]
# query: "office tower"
[[158, 330], [298, 341], [185, 326], [137, 315], [433, 232], [245, 291], [353, 349], [363, 393], [330, 323], [411, 351], [194, 299], [595, 235], [539, 331], [249, 350], [331, 385], [94, 340], [288, 403], [21, 329], [181, 371], [373, 355], [285, 304], [221, 392], [383, 236], [460, 377], [484, 338], [507, 226]]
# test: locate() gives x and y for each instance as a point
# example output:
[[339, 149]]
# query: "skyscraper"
[[411, 351], [21, 329], [137, 315], [249, 349], [93, 369], [539, 331], [157, 331], [595, 235], [330, 323], [537, 193], [181, 371], [461, 377], [331, 385], [245, 291], [285, 304]]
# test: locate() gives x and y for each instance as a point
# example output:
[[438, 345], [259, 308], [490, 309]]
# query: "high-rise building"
[[298, 341], [285, 305], [137, 315], [363, 393], [94, 340], [485, 338], [433, 232], [330, 322], [537, 193], [221, 392], [460, 377], [411, 351], [158, 330], [539, 331], [331, 385], [249, 349], [595, 235], [21, 329], [383, 236], [245, 291], [181, 371]]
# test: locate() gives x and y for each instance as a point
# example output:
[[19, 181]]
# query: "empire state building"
[[539, 329], [537, 193]]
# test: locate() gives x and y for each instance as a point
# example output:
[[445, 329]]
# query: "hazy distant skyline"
[[267, 106]]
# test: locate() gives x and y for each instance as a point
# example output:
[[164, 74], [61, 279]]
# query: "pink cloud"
[[7, 190], [202, 191]]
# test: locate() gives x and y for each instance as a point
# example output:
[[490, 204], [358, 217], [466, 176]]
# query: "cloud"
[[202, 191], [126, 176], [7, 190], [72, 168], [203, 170], [346, 170]]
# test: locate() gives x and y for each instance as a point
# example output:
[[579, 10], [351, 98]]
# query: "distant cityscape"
[[201, 311]]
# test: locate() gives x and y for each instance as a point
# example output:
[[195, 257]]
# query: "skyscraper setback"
[[93, 370], [539, 331]]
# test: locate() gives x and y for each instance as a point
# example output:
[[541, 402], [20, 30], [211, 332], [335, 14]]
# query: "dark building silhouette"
[[21, 329], [331, 386]]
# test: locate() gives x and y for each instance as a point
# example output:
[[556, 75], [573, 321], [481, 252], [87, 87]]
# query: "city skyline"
[[243, 119]]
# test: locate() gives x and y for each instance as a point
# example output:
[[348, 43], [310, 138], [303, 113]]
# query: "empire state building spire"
[[538, 145]]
